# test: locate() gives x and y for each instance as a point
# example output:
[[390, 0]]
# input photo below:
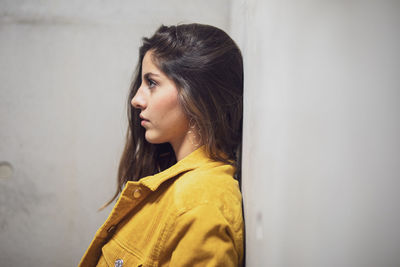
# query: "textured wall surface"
[[321, 147], [321, 132], [65, 68]]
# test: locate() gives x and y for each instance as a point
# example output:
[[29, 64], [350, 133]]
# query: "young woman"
[[179, 200]]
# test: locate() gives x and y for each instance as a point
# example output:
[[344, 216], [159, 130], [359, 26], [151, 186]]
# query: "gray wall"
[[65, 68], [321, 148], [321, 131]]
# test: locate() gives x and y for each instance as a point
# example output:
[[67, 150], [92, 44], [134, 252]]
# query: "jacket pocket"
[[116, 255]]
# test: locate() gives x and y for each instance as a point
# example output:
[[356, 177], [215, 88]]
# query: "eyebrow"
[[146, 75]]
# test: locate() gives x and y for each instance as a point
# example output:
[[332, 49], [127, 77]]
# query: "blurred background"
[[65, 69], [321, 159]]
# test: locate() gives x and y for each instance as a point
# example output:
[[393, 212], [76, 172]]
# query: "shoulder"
[[210, 185]]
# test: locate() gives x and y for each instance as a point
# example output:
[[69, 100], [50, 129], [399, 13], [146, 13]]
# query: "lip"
[[143, 121]]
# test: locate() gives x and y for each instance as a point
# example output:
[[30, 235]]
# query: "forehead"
[[148, 64]]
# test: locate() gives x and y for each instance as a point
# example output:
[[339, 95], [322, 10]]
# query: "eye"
[[151, 82]]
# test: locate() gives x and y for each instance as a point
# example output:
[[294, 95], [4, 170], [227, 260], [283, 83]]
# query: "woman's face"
[[161, 114]]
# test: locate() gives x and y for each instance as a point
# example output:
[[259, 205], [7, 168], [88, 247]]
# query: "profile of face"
[[161, 114]]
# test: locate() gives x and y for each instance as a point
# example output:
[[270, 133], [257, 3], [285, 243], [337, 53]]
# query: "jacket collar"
[[192, 161]]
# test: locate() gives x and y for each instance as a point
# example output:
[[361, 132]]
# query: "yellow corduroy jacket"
[[187, 215]]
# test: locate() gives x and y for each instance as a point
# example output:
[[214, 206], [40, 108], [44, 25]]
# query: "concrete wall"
[[321, 131], [321, 147], [65, 68]]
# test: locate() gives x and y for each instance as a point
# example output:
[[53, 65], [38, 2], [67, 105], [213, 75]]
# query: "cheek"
[[167, 104], [171, 113]]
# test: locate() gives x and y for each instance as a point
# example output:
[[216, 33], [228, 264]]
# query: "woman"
[[179, 203]]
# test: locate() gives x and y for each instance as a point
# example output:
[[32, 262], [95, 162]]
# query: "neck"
[[183, 148]]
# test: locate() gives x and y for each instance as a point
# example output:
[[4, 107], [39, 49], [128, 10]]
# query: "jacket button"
[[118, 263], [137, 193]]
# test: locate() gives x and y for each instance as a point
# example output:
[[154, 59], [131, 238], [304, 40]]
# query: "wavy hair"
[[207, 67]]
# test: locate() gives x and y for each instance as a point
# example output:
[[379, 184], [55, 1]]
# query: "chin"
[[153, 139]]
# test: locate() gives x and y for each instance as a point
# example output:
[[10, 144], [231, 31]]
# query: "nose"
[[139, 100]]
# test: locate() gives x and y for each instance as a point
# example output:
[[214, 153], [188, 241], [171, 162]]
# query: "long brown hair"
[[206, 66]]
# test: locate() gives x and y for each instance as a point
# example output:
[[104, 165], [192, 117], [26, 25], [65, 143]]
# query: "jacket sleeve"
[[203, 237]]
